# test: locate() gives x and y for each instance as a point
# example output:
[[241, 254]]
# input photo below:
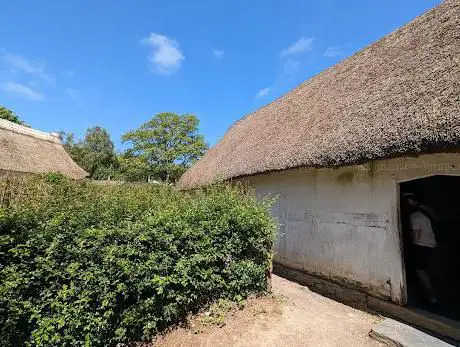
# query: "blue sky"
[[69, 65]]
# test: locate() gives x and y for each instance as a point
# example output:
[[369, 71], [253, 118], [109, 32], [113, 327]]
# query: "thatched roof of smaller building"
[[400, 95], [25, 150]]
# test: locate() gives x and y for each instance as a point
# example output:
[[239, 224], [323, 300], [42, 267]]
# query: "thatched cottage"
[[339, 149], [24, 150]]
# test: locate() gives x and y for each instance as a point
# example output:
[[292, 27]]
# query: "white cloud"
[[166, 56], [218, 53], [302, 45], [20, 63], [22, 90], [69, 73], [291, 66], [75, 95], [333, 51], [263, 92], [35, 68], [72, 93], [291, 60]]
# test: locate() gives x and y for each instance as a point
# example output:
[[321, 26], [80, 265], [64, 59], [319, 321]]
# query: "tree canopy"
[[160, 149], [9, 115], [95, 154], [163, 147]]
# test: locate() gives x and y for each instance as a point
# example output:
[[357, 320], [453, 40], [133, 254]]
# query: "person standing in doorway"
[[423, 241]]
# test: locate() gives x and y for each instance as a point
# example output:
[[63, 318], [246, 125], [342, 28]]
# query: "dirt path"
[[295, 316]]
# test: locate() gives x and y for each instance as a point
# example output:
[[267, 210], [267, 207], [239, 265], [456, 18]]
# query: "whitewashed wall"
[[343, 223]]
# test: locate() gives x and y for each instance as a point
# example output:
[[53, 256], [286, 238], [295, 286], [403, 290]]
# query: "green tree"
[[134, 168], [98, 153], [164, 147], [9, 115], [72, 146], [95, 153]]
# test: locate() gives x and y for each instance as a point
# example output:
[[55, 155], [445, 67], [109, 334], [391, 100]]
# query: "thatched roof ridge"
[[26, 150], [399, 95]]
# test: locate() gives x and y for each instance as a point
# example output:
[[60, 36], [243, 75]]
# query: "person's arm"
[[415, 226], [416, 233], [429, 211]]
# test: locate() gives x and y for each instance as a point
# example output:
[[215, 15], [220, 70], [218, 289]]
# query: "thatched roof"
[[400, 95], [25, 150]]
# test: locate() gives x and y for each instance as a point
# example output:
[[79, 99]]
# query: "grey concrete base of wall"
[[396, 334], [440, 327], [345, 294]]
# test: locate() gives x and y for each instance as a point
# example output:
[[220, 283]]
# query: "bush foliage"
[[91, 265]]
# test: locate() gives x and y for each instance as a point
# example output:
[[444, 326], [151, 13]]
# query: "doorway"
[[441, 195]]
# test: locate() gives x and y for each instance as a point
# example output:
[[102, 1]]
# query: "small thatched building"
[[24, 150], [337, 149]]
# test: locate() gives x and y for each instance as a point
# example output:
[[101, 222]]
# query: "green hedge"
[[82, 264]]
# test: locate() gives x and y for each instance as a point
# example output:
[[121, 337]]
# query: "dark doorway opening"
[[441, 195]]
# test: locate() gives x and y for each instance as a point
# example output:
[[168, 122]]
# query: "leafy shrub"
[[91, 265]]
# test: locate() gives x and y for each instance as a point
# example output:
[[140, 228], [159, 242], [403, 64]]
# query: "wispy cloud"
[[333, 51], [22, 91], [75, 95], [166, 56], [69, 73], [263, 92], [290, 67], [291, 59], [34, 68], [72, 93], [302, 45], [218, 53]]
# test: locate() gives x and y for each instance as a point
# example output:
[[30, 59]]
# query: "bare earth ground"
[[292, 316]]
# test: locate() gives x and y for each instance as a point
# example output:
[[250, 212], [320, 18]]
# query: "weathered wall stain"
[[345, 178], [342, 224]]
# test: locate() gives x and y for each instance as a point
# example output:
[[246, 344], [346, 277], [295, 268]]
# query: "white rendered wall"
[[343, 223]]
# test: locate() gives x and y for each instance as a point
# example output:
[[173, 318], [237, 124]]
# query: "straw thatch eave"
[[26, 150]]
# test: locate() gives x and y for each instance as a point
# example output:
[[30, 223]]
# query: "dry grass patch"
[[223, 320]]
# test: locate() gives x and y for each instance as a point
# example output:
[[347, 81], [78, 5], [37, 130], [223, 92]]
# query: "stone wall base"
[[335, 291], [441, 327]]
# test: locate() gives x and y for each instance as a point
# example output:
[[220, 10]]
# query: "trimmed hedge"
[[83, 264]]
